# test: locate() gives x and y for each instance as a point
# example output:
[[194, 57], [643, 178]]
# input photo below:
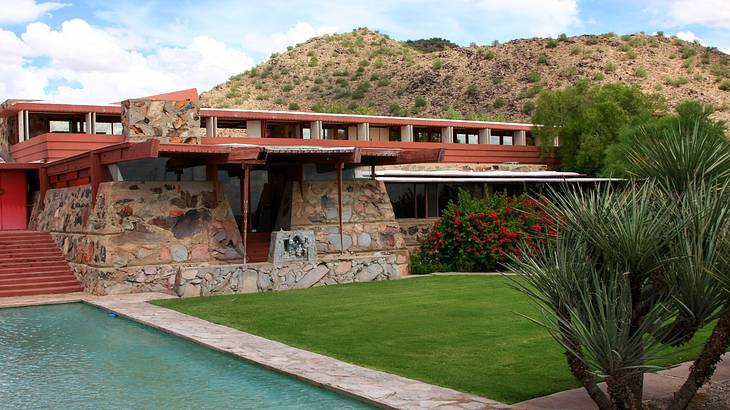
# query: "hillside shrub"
[[551, 43], [725, 85], [476, 235], [437, 64]]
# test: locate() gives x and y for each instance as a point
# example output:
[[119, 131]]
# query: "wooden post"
[[211, 174], [95, 175], [372, 171], [245, 179], [43, 185], [339, 205]]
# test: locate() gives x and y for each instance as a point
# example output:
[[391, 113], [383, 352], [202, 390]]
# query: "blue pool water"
[[76, 356]]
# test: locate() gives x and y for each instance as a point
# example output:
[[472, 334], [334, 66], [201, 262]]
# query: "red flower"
[[457, 221], [536, 227]]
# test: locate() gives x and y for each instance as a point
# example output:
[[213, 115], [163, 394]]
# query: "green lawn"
[[455, 331]]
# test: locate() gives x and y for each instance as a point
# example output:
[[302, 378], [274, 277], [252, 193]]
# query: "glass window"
[[494, 139], [460, 138], [507, 140], [155, 169], [394, 134]]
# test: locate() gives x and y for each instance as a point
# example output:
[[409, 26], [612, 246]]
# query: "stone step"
[[41, 283], [46, 290], [37, 273], [37, 279]]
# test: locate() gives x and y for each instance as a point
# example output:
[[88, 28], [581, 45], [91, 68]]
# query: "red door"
[[12, 200]]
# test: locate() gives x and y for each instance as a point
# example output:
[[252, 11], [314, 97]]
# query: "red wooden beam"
[[244, 154], [43, 186]]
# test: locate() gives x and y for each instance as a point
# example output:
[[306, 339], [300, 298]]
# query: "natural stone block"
[[169, 121]]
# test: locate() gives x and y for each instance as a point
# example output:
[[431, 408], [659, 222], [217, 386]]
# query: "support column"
[[485, 136], [363, 131], [211, 127], [253, 129], [26, 124], [21, 126], [447, 134], [93, 123], [211, 174], [87, 123], [339, 205], [315, 130], [406, 133], [43, 186], [519, 138], [245, 180]]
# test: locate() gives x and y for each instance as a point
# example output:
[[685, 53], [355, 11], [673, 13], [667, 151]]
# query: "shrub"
[[486, 54], [472, 89], [420, 102], [598, 76], [687, 52], [551, 43], [543, 60], [479, 235], [640, 72], [293, 106], [437, 64], [563, 37], [528, 107], [499, 102], [287, 87], [611, 67], [676, 82], [313, 61], [725, 85], [383, 82], [533, 76]]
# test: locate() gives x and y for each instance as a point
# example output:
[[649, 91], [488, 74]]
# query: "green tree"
[[688, 115], [587, 119]]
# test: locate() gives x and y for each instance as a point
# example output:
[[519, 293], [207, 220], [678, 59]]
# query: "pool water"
[[75, 356]]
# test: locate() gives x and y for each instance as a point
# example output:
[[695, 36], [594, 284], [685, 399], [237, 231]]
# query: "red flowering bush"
[[479, 235]]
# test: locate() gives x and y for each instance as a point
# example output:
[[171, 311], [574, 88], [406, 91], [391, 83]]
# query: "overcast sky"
[[82, 51]]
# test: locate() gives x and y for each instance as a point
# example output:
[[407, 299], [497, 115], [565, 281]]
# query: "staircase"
[[32, 264]]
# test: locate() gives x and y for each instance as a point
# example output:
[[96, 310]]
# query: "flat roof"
[[50, 107]]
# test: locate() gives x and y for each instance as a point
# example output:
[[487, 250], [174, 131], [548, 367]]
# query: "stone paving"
[[375, 387], [657, 385]]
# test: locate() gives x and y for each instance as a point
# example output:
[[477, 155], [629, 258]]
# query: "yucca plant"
[[639, 267]]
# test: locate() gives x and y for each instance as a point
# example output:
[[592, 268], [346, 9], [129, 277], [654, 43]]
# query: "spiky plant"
[[636, 268]]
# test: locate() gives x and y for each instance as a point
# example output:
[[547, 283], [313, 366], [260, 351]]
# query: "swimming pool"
[[78, 356]]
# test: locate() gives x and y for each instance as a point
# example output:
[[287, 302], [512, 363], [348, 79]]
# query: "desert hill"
[[367, 72]]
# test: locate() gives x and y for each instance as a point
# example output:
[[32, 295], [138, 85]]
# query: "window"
[[156, 169], [334, 132], [466, 138], [495, 139], [507, 139], [394, 134], [420, 200]]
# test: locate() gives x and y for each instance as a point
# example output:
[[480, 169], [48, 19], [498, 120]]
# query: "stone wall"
[[140, 223], [211, 279], [8, 136], [178, 237], [415, 231], [168, 121], [368, 221]]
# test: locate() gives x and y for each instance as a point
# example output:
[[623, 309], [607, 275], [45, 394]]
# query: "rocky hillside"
[[367, 72]]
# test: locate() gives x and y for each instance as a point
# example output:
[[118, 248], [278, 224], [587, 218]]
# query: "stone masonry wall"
[[368, 221], [177, 237], [168, 121], [210, 279], [8, 136], [415, 231]]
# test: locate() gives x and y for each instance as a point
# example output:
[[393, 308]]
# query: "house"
[[161, 194]]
